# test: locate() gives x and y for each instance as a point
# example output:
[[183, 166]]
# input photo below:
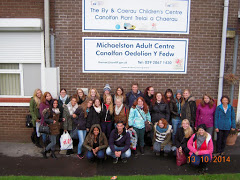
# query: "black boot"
[[44, 153], [33, 136], [53, 155], [38, 142], [142, 150]]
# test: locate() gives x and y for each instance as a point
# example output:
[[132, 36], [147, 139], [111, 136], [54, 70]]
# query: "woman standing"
[[224, 122], [68, 115], [45, 103], [175, 110], [94, 115], [51, 117], [34, 111], [188, 108], [121, 113], [93, 94], [148, 95], [182, 136], [87, 107], [107, 115], [139, 113], [119, 94], [201, 147], [63, 100], [205, 113], [159, 109], [162, 137], [96, 143], [106, 91], [80, 122], [81, 97]]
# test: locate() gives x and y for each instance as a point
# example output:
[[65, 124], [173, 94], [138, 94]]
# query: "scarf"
[[118, 110], [200, 141], [63, 99], [162, 130], [72, 109], [97, 109], [56, 110], [139, 107]]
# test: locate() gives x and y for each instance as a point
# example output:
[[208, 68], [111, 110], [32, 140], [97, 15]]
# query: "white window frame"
[[8, 28]]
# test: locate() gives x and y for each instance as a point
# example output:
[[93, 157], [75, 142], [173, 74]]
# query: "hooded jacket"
[[89, 141], [225, 121], [34, 111], [93, 117], [205, 115], [189, 110], [193, 149], [167, 139], [49, 118], [80, 122]]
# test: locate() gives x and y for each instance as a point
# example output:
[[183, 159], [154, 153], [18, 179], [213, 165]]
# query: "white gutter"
[[223, 50], [47, 32]]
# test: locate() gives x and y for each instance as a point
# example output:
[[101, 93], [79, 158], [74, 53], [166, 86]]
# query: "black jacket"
[[173, 109], [159, 111], [180, 139], [188, 110], [105, 115], [80, 121], [93, 117], [148, 99]]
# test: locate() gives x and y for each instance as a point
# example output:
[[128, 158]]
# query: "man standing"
[[133, 95]]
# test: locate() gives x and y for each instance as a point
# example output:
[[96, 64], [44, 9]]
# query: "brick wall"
[[66, 20], [12, 124]]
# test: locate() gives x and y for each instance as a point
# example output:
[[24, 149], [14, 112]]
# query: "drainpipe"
[[223, 49], [47, 32]]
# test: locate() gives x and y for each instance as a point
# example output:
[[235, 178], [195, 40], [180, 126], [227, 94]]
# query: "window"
[[19, 79]]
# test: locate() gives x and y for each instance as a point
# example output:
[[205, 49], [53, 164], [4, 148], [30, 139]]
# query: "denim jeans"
[[81, 137], [176, 123], [107, 128], [157, 147], [100, 155], [196, 160], [126, 154], [44, 137], [53, 139]]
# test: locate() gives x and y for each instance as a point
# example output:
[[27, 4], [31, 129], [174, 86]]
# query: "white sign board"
[[134, 16], [134, 55]]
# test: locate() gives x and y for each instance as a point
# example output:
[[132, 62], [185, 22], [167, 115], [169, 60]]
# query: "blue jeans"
[[81, 137], [100, 155], [126, 154], [44, 137], [53, 139], [176, 123], [196, 160], [106, 128]]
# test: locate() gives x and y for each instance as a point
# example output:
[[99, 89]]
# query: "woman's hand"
[[217, 130], [130, 129], [180, 149], [54, 122], [74, 115], [197, 153], [232, 129], [96, 149], [38, 120], [63, 119]]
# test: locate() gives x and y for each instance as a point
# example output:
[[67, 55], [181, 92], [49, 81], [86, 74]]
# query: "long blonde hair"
[[97, 94], [84, 106], [188, 132], [111, 103], [36, 99]]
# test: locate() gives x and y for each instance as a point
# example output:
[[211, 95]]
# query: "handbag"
[[181, 158], [44, 129], [29, 121], [148, 126]]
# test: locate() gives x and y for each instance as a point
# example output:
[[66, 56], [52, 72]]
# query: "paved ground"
[[25, 159]]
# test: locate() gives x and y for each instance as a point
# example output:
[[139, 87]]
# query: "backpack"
[[29, 121]]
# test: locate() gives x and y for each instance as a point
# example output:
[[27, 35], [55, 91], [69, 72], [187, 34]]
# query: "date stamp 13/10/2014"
[[215, 159]]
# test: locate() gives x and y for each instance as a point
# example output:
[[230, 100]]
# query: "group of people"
[[115, 125]]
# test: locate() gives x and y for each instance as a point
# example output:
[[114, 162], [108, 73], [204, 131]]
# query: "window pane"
[[9, 66], [31, 78], [10, 84]]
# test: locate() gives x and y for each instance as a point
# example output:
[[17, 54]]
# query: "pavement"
[[26, 159]]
